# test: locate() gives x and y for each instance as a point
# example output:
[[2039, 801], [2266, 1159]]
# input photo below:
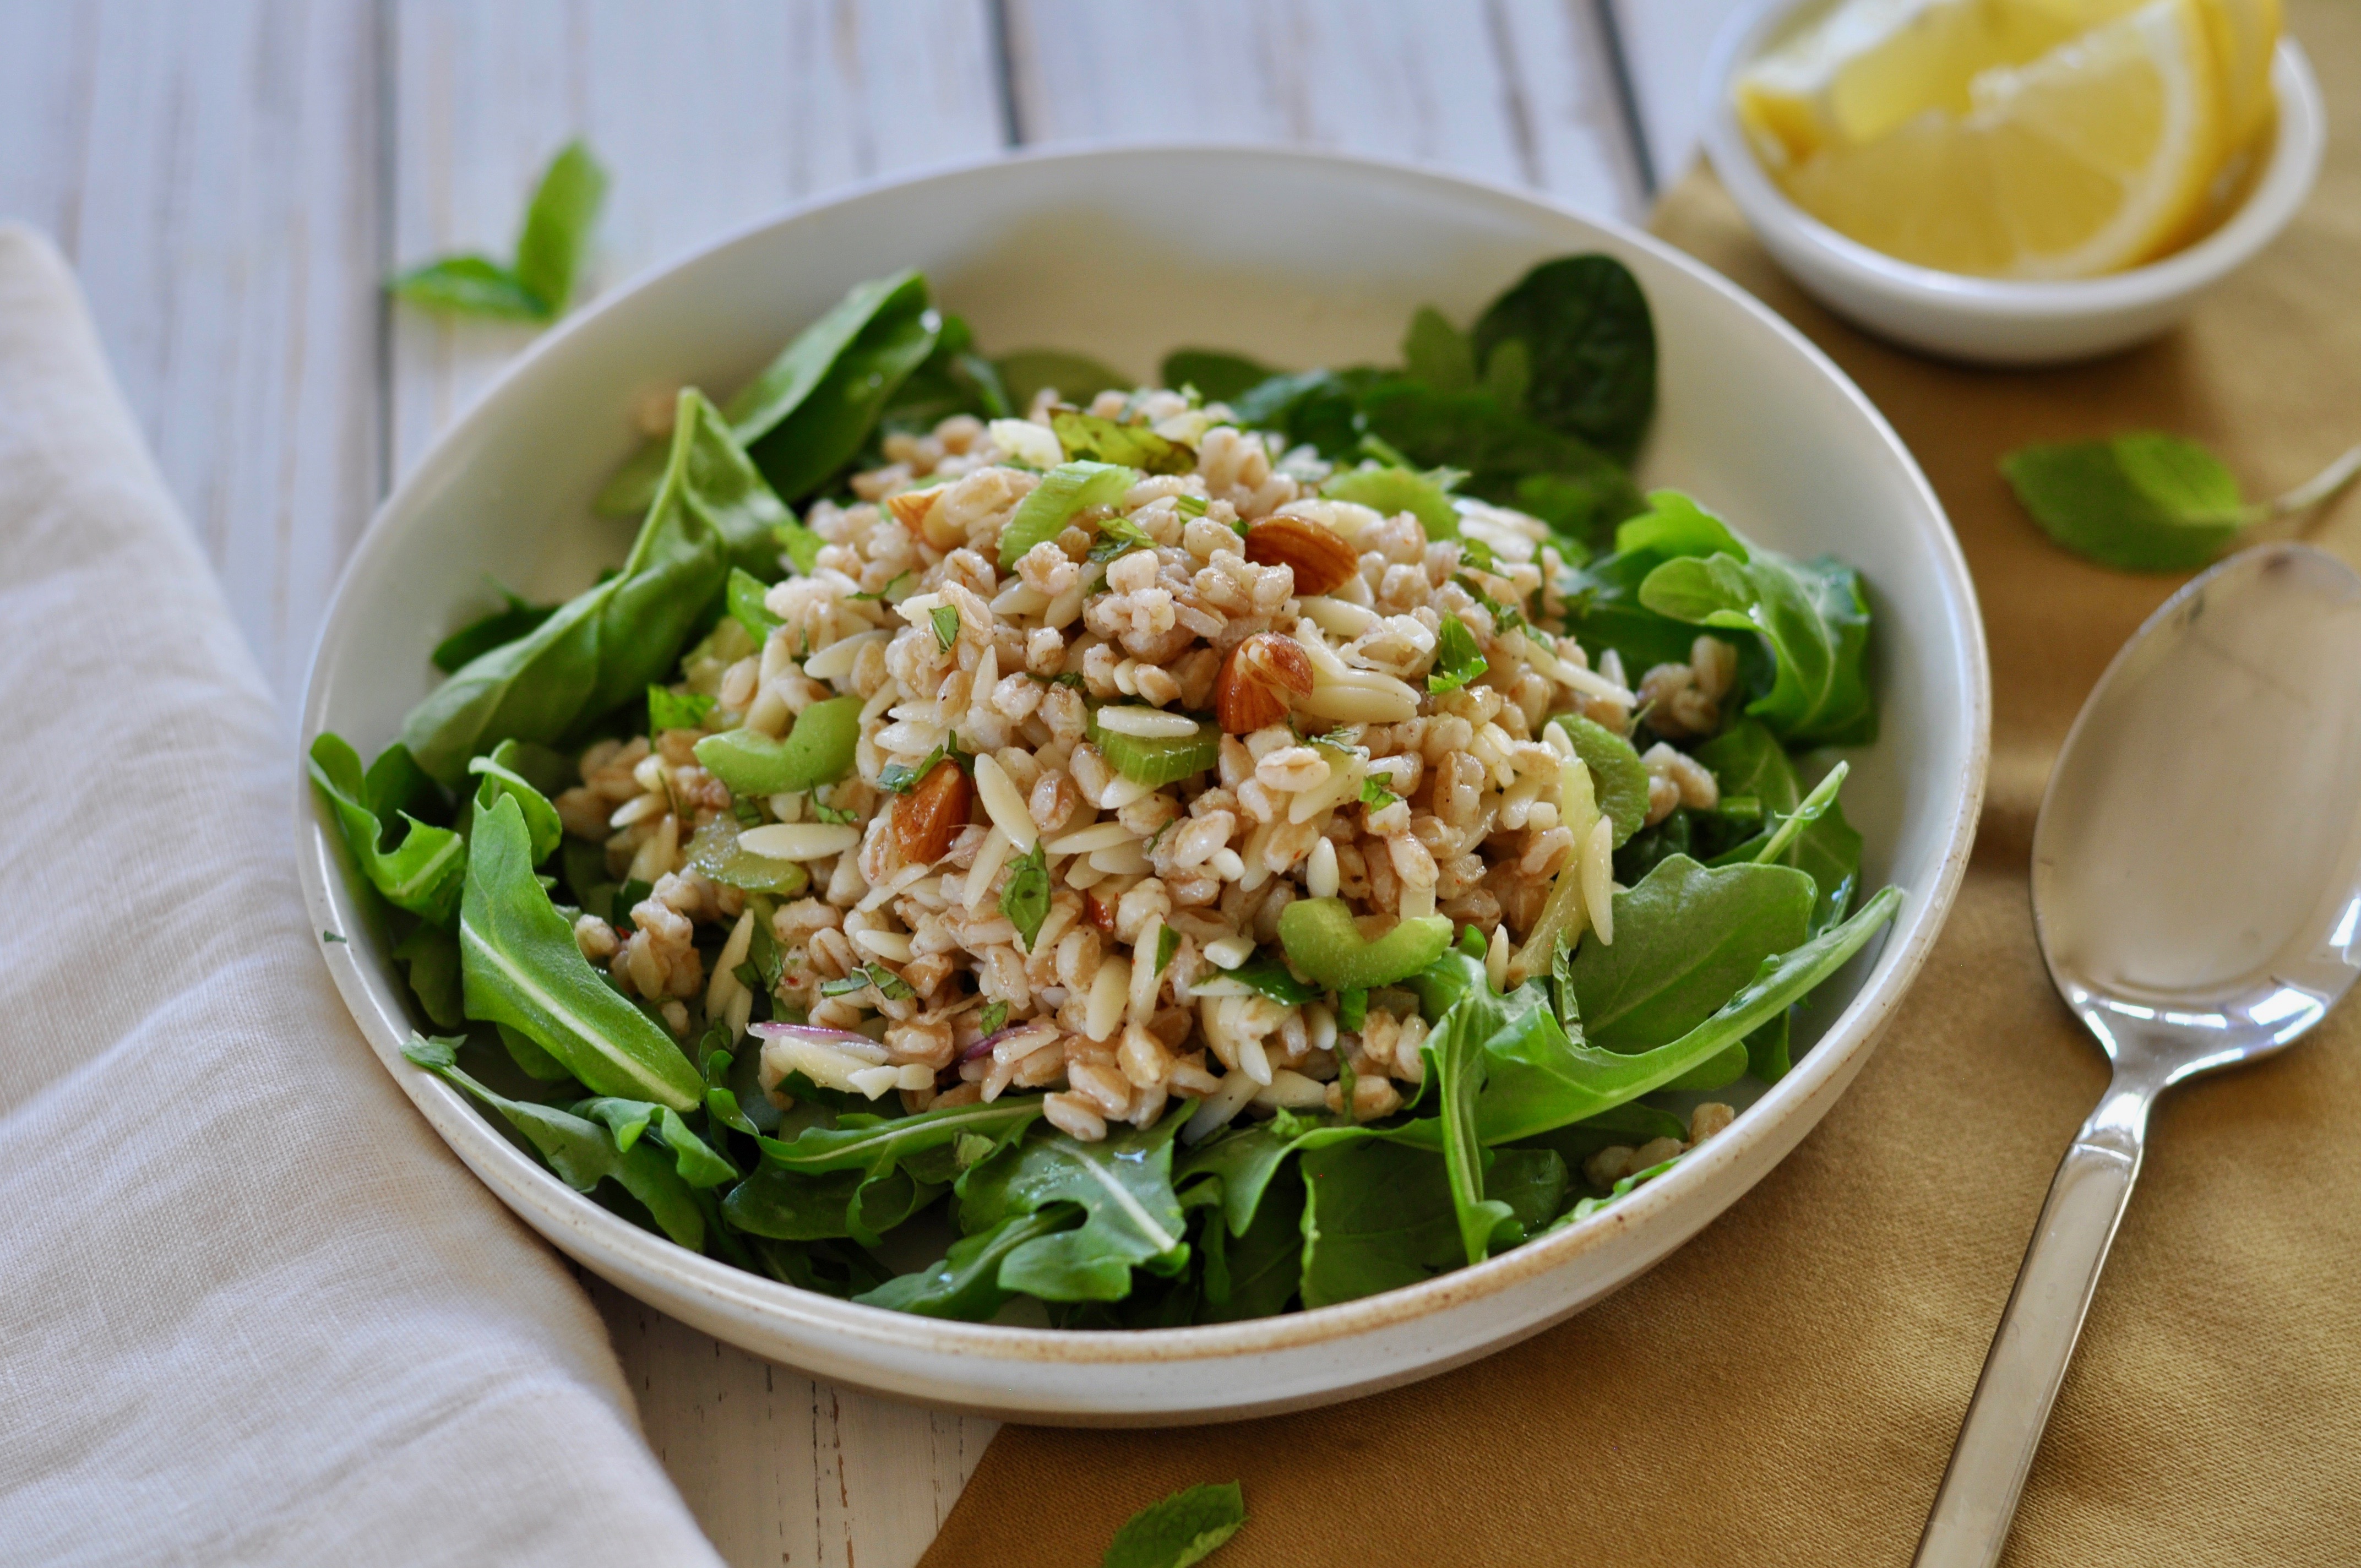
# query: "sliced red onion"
[[984, 1046]]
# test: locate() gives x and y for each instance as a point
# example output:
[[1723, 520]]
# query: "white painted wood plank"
[[209, 174], [1514, 91], [708, 116], [1665, 43]]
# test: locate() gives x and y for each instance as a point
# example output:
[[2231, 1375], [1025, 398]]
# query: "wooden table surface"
[[232, 179]]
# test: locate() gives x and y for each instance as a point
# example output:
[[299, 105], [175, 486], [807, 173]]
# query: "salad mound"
[[1141, 855]]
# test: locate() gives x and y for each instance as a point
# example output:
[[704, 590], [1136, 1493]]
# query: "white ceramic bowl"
[[1303, 260], [1995, 321]]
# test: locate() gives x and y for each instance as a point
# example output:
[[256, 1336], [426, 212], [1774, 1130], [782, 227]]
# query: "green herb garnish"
[[1458, 660], [1026, 897], [537, 287], [1179, 1530]]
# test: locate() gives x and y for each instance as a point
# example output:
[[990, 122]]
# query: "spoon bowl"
[[2196, 890]]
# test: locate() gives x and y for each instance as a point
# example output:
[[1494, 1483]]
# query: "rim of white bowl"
[[2298, 142], [631, 1251]]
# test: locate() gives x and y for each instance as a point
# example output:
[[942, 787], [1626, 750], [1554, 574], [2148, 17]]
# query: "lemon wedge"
[[2095, 156], [2244, 33]]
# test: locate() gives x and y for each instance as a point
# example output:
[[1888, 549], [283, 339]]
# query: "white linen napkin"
[[252, 1310]]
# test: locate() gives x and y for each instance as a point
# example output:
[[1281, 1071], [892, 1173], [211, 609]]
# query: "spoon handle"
[[2044, 1317]]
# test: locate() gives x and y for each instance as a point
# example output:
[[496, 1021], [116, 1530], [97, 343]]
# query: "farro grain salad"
[[1136, 855]]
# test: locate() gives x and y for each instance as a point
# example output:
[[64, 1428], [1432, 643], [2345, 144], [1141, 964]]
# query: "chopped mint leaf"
[[1376, 796], [1120, 536], [1458, 660], [947, 626], [836, 814], [995, 1018], [885, 594], [1025, 898], [1190, 506], [1168, 942]]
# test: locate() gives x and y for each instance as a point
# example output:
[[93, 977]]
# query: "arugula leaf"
[[878, 1160], [1675, 525], [966, 1284], [582, 1153], [1257, 1271], [1064, 492], [875, 1144], [1390, 490], [1123, 1186], [557, 224], [1813, 618], [1075, 378], [1381, 1216], [1687, 938], [1457, 659], [952, 379], [424, 874], [1025, 897], [1179, 1530], [521, 967], [1132, 445], [2140, 502], [788, 1205], [470, 286], [432, 953], [1747, 760], [745, 596], [693, 1157], [514, 619], [1454, 1052], [1219, 378], [500, 777], [722, 1106], [1588, 336], [606, 644], [1437, 353]]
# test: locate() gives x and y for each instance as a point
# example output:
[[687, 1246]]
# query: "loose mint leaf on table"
[[424, 873], [1123, 1186], [2142, 502], [811, 408], [582, 1152], [555, 234], [481, 636], [1179, 1530], [1586, 335], [608, 644], [557, 226], [521, 967]]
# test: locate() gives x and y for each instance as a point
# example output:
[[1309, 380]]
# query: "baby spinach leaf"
[[1510, 459], [1675, 525], [522, 969], [2141, 502], [1179, 1530], [1391, 490], [1064, 492], [952, 379], [1075, 378], [1025, 897], [1435, 352], [1457, 659], [1686, 938], [469, 286], [1590, 343], [606, 645], [500, 777], [432, 953], [557, 224], [1813, 618], [1219, 378], [1125, 1190], [1381, 1213], [424, 874], [799, 451], [629, 1120], [581, 1152], [1317, 407], [774, 398], [966, 1284], [1088, 437], [514, 619]]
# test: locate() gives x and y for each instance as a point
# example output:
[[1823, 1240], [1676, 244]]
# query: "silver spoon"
[[2197, 891]]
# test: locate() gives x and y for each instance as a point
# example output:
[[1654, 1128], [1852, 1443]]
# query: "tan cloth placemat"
[[1785, 1389]]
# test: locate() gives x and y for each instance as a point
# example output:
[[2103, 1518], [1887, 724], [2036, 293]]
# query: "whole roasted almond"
[[1322, 558], [1259, 681], [926, 819]]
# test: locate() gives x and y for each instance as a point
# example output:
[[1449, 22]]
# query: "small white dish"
[[1997, 321], [1312, 259]]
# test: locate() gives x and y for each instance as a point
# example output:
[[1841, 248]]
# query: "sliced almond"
[[1319, 554], [911, 506], [926, 819], [1259, 681]]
